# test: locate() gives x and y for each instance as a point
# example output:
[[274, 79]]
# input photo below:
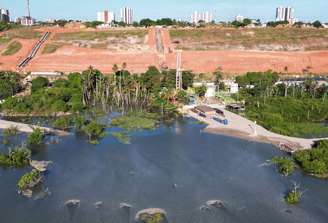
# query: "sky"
[[223, 10]]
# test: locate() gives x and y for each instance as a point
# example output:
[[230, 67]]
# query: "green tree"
[[201, 91], [39, 83], [9, 84], [317, 24]]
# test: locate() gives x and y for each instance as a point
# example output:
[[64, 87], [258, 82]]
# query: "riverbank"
[[26, 128], [241, 127]]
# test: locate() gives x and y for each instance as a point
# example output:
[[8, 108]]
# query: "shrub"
[[62, 123], [285, 165], [18, 158], [35, 138], [314, 161], [294, 196], [95, 131], [28, 179]]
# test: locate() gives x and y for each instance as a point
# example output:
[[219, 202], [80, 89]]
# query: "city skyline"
[[222, 10]]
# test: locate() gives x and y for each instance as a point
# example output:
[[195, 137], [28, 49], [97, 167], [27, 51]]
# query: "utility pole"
[[28, 9], [178, 81]]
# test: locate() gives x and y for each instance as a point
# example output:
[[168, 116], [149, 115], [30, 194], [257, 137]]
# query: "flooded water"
[[175, 168]]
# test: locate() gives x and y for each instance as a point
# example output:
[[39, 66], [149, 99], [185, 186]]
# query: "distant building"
[[26, 21], [239, 18], [231, 86], [4, 15], [127, 15], [206, 17], [285, 14], [106, 17]]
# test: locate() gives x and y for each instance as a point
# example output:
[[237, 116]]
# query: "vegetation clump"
[[154, 218], [39, 83], [294, 196], [12, 48], [63, 96], [50, 48], [29, 180], [135, 121], [36, 137], [8, 133], [18, 158], [285, 165], [95, 131], [314, 161], [9, 84], [290, 109], [121, 137], [62, 123]]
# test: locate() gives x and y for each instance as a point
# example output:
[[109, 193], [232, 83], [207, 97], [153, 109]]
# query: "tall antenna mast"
[[28, 9]]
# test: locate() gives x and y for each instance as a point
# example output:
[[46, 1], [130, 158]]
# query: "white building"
[[206, 17], [26, 21], [285, 14], [232, 86], [4, 15], [106, 17], [127, 15]]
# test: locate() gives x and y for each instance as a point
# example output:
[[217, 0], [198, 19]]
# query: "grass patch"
[[12, 48], [212, 38], [122, 137], [51, 48], [100, 35], [23, 33], [290, 116], [4, 40], [136, 121]]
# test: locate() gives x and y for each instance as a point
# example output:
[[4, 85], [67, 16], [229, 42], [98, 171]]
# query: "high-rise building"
[[127, 15], [106, 17], [206, 17], [4, 15], [285, 14]]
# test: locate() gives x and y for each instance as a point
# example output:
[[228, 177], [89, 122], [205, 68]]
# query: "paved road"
[[249, 129]]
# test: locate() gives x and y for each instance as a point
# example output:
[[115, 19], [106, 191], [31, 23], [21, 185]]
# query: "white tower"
[[178, 81]]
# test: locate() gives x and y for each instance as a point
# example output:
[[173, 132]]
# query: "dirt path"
[[243, 128]]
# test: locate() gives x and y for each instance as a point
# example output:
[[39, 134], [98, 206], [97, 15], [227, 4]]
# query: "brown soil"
[[239, 62], [70, 58]]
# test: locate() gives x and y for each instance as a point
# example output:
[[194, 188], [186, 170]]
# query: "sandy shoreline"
[[243, 128]]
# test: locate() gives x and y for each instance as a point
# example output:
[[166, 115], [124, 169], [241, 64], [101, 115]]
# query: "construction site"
[[74, 48]]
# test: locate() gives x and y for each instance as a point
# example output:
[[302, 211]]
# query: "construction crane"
[[178, 81]]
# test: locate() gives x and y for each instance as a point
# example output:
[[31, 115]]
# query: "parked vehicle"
[[202, 115], [221, 121], [219, 112]]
